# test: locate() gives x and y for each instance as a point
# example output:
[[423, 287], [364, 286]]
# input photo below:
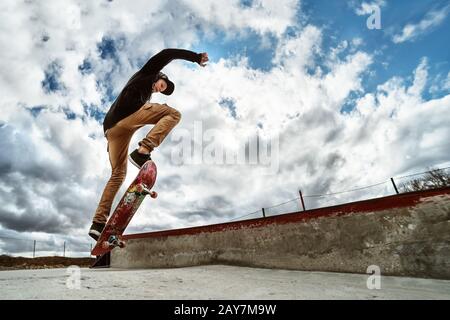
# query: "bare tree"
[[434, 179]]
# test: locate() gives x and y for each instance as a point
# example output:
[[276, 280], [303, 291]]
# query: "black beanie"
[[170, 85]]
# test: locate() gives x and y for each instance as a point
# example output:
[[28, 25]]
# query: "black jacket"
[[139, 88]]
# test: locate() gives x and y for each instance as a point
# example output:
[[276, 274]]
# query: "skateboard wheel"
[[153, 194], [122, 244], [105, 244]]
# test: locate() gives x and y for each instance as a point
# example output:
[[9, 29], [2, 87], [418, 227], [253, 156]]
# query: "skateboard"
[[111, 236]]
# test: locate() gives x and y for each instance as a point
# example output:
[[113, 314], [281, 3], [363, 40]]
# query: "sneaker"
[[138, 159], [96, 230]]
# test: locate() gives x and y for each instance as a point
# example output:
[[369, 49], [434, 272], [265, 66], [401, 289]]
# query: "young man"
[[131, 111]]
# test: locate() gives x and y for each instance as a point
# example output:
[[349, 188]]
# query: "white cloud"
[[447, 82], [420, 79], [262, 17], [440, 84], [431, 20], [367, 7], [356, 42], [346, 77], [70, 154], [299, 51], [400, 130]]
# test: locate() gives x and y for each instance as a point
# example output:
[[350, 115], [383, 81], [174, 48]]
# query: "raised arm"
[[160, 60]]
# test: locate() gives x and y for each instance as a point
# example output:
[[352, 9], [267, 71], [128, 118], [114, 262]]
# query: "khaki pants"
[[162, 116]]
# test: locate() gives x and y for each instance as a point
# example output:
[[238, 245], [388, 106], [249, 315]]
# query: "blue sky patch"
[[109, 47], [339, 22], [249, 44], [51, 82], [36, 110], [93, 112], [86, 67], [230, 104], [246, 3], [108, 97], [70, 115]]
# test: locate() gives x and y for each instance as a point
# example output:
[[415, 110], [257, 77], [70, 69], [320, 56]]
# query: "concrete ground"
[[209, 282]]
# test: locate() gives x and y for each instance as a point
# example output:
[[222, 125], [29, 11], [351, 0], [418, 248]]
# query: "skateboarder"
[[131, 111]]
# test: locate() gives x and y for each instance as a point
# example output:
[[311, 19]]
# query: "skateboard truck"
[[146, 190], [114, 241]]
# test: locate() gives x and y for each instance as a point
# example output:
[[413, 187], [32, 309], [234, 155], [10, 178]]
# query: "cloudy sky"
[[342, 106]]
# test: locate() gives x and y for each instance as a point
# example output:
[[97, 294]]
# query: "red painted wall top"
[[378, 204]]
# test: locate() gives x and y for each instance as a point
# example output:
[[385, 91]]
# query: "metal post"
[[301, 198], [64, 253], [395, 187], [34, 248], [264, 213]]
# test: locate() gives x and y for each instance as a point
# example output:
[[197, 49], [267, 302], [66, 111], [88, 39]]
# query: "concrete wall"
[[406, 235]]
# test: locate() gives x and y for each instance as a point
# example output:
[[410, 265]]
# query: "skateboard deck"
[[111, 236]]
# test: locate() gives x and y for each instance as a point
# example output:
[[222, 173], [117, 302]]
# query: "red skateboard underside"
[[127, 207]]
